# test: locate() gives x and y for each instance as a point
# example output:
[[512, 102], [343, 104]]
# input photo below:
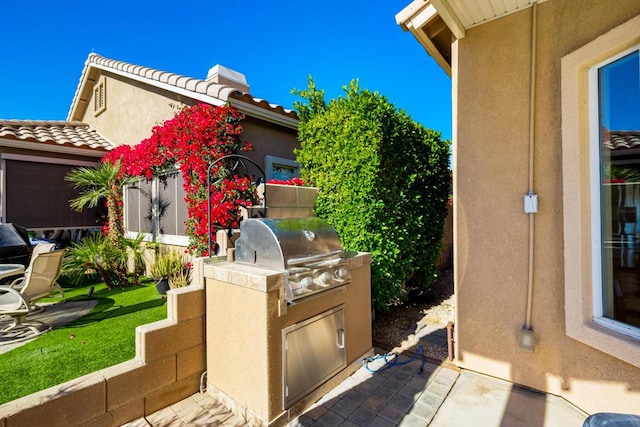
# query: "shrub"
[[96, 254], [169, 264], [383, 183]]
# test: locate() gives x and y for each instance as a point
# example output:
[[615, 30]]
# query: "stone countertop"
[[257, 278], [262, 279]]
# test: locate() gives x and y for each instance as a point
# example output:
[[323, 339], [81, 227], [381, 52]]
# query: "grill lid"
[[284, 243]]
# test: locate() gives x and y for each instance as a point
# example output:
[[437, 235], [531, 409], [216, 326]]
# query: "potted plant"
[[182, 277], [167, 265]]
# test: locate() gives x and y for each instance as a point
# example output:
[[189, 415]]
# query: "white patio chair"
[[14, 309], [40, 280], [37, 250]]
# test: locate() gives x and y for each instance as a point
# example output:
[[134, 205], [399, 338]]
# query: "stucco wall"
[[170, 359], [268, 139], [133, 108], [492, 71]]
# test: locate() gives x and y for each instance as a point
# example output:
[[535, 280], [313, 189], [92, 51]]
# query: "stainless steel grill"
[[308, 250]]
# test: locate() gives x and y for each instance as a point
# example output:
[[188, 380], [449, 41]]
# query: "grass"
[[102, 338]]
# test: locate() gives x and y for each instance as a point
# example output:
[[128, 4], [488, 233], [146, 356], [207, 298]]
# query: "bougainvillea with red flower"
[[191, 141]]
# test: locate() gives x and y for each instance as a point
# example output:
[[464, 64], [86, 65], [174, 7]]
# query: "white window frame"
[[271, 161], [596, 200], [581, 196], [168, 239]]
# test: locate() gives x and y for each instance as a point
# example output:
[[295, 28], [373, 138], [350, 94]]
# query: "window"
[[616, 113], [36, 194], [157, 209], [100, 97], [137, 208], [281, 169], [600, 100]]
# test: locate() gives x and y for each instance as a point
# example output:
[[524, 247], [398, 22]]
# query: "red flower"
[[293, 181], [193, 139]]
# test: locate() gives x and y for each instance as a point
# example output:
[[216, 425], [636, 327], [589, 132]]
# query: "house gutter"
[[52, 148]]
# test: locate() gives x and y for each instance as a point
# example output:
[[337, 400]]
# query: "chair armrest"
[[57, 287], [12, 301], [17, 283]]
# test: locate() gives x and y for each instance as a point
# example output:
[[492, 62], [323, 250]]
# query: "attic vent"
[[100, 97], [226, 76]]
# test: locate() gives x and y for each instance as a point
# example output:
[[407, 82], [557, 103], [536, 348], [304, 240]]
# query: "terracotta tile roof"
[[622, 139], [215, 90], [74, 134], [203, 90]]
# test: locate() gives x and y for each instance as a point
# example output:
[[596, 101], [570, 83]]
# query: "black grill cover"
[[14, 245]]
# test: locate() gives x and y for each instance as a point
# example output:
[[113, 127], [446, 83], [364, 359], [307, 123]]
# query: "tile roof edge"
[[46, 122], [220, 92], [53, 127]]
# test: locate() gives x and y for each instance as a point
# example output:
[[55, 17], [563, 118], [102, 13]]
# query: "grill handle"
[[340, 340], [312, 258]]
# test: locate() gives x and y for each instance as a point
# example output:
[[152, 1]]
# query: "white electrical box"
[[530, 203]]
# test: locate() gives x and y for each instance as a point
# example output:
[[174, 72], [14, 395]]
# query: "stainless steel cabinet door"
[[313, 351]]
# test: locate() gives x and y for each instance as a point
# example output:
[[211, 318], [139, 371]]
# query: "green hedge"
[[383, 181]]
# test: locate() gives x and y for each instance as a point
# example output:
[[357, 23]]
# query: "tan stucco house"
[[119, 103], [546, 125]]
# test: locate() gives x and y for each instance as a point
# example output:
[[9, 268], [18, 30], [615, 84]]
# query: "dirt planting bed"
[[421, 320]]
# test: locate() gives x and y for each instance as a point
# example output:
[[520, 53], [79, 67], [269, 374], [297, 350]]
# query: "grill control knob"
[[306, 282], [341, 273], [324, 277]]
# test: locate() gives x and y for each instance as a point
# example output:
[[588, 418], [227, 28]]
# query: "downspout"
[[531, 199]]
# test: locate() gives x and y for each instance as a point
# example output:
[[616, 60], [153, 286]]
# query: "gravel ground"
[[406, 324]]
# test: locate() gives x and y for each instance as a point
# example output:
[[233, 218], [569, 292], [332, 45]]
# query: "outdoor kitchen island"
[[269, 358]]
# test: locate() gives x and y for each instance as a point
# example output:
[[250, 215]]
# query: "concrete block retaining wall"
[[170, 358]]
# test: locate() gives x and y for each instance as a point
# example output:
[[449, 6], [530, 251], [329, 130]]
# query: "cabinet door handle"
[[340, 341]]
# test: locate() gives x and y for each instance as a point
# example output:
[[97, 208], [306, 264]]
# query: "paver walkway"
[[388, 398], [401, 395], [440, 396]]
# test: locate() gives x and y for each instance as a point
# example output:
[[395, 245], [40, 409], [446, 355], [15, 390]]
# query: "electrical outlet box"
[[530, 203], [526, 339]]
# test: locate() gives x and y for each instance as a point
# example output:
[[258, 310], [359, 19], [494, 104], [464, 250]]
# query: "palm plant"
[[136, 248], [95, 254], [101, 182]]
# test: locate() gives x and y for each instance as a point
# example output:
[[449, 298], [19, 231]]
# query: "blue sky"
[[276, 44]]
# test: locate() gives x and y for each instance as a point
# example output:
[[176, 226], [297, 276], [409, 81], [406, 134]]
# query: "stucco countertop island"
[[246, 315]]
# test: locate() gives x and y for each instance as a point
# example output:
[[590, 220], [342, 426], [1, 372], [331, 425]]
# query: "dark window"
[[37, 196]]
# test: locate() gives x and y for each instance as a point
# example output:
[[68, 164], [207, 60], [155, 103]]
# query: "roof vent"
[[226, 76]]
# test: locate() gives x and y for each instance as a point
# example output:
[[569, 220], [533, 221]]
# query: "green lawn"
[[102, 338]]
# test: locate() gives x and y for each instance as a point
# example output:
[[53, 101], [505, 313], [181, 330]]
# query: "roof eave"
[[50, 148], [419, 18], [458, 15], [253, 110], [276, 115], [77, 97], [449, 17]]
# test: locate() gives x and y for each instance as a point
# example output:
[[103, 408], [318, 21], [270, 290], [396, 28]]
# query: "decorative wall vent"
[[100, 96]]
